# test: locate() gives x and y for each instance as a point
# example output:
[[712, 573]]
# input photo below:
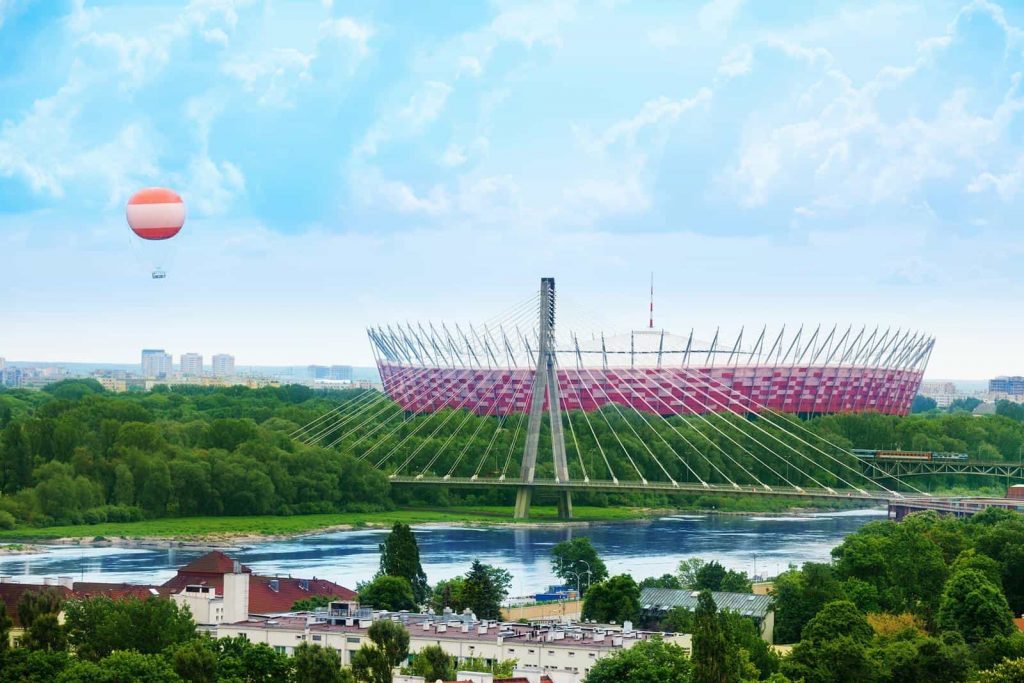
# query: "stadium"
[[490, 370]]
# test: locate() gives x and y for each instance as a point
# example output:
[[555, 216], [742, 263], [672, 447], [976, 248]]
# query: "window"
[[353, 639], [279, 649], [551, 653], [532, 651], [317, 637]]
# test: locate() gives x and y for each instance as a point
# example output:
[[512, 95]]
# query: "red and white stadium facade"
[[426, 369]]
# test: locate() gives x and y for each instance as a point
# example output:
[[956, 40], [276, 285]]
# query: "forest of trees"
[[74, 453], [927, 600]]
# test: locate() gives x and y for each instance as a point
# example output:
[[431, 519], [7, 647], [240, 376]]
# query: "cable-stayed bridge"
[[513, 404]]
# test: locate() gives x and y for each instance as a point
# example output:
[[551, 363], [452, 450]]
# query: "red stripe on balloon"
[[156, 233]]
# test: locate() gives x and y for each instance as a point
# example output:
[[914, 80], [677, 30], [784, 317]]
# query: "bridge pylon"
[[545, 382]]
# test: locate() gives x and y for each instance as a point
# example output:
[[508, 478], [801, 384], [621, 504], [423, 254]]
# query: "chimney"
[[236, 567]]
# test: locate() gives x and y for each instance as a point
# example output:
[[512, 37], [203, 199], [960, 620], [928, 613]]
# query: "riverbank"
[[227, 531]]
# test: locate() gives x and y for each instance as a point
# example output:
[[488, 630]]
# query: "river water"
[[757, 544]]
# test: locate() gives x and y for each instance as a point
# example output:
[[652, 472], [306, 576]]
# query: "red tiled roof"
[[1019, 623], [214, 562], [11, 593], [262, 598], [115, 591]]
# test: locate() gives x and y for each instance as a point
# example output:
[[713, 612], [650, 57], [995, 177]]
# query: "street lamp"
[[589, 573]]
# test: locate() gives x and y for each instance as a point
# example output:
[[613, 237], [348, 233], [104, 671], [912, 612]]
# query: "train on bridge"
[[868, 454]]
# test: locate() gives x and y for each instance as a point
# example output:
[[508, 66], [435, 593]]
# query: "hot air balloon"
[[155, 214]]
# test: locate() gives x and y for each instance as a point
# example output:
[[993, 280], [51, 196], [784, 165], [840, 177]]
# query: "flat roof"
[[664, 599]]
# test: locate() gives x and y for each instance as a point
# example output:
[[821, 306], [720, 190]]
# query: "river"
[[753, 543]]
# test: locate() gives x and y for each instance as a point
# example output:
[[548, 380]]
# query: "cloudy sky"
[[349, 163]]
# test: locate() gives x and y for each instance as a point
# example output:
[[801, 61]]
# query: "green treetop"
[[400, 556]]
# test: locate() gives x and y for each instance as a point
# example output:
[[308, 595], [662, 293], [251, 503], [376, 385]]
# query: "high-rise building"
[[223, 365], [342, 372], [318, 371], [156, 363], [3, 363], [1011, 386], [191, 364]]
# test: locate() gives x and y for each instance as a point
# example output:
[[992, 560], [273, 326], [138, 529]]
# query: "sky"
[[346, 164]]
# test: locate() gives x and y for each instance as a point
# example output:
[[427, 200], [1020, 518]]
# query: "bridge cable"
[[725, 387]]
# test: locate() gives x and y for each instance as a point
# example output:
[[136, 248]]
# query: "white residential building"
[[156, 363], [572, 650], [191, 364], [223, 365]]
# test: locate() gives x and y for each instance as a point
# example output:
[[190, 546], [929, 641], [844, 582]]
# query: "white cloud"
[[45, 149], [454, 155], [347, 28], [272, 74], [846, 146], [718, 15], [654, 113], [420, 110], [211, 188], [534, 22]]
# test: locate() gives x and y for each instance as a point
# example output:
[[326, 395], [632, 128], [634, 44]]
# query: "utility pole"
[[545, 381]]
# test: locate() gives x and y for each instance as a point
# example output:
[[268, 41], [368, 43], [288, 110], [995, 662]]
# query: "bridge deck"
[[605, 485]]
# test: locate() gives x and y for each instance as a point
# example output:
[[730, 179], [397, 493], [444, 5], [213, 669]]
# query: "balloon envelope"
[[155, 213]]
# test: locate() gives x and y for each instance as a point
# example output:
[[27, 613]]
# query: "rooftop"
[[664, 599], [432, 627]]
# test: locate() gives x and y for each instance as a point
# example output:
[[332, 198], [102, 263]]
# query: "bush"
[[6, 520]]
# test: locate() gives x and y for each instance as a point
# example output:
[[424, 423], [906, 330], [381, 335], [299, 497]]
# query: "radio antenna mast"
[[651, 323]]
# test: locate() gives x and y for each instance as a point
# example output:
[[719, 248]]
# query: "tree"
[[38, 613], [974, 606], [400, 556], [669, 581], [710, 645], [448, 593], [838, 619], [389, 646], [312, 603], [240, 660], [391, 593], [99, 626], [15, 458], [479, 592], [964, 405], [833, 647], [615, 601], [121, 667], [5, 627], [923, 404], [433, 663], [649, 661], [714, 577], [195, 661], [315, 664], [576, 557], [33, 666], [1009, 671], [799, 595], [687, 571]]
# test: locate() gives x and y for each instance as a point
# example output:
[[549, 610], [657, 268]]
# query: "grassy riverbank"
[[200, 528], [239, 528]]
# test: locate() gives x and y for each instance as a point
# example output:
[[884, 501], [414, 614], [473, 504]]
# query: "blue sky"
[[348, 163]]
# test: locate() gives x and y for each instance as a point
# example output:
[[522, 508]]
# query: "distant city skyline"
[[350, 164]]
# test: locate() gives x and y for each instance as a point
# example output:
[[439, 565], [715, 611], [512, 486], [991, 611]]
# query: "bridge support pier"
[[545, 382]]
